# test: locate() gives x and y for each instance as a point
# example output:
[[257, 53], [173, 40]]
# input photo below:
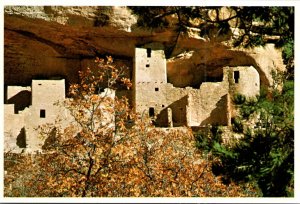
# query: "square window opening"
[[156, 89]]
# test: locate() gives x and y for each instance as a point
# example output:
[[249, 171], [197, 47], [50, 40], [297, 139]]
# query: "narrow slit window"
[[236, 76], [148, 52], [42, 113], [151, 112]]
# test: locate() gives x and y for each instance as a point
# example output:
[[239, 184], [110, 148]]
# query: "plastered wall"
[[150, 65], [21, 131], [161, 96], [245, 80], [208, 105], [43, 93]]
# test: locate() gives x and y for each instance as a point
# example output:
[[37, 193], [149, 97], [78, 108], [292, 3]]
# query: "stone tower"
[[150, 73], [150, 66]]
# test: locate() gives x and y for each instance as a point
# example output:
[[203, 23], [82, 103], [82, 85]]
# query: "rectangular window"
[[236, 76], [148, 52], [42, 113], [151, 112], [147, 65]]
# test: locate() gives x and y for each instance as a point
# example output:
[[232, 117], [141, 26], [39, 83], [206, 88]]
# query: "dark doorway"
[[42, 113], [21, 138], [151, 112]]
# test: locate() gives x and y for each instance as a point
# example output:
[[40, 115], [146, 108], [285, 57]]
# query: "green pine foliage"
[[264, 156], [206, 139], [266, 153]]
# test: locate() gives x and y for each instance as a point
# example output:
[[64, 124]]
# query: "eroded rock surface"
[[48, 41]]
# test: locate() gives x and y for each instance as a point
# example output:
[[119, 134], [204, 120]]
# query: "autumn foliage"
[[110, 151]]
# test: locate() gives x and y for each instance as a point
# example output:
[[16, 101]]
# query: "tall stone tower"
[[153, 95], [149, 66], [150, 73]]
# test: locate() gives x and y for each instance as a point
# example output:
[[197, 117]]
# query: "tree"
[[123, 155], [265, 154]]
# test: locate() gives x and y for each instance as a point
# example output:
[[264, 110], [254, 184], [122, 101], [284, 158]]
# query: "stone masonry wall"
[[20, 96], [44, 93], [159, 97], [245, 80], [13, 124], [150, 65], [210, 104], [192, 107], [21, 130]]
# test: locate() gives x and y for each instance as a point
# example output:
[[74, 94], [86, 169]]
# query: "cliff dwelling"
[[171, 106], [28, 107], [42, 104]]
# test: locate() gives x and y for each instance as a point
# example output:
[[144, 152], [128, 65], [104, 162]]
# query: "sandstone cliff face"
[[48, 41]]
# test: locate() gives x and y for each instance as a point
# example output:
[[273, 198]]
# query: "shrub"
[[239, 99], [237, 125]]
